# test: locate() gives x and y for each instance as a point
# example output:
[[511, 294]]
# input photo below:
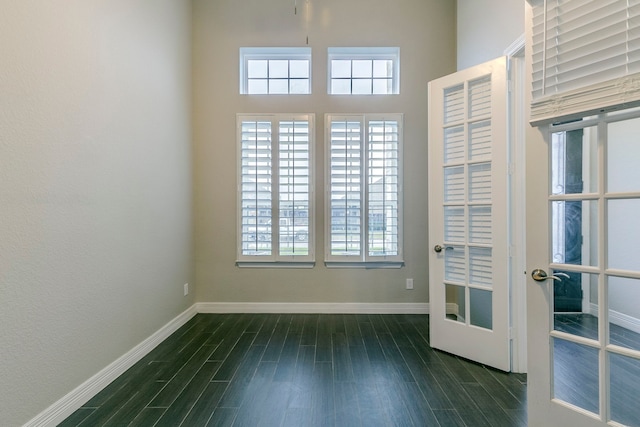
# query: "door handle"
[[539, 275], [439, 248]]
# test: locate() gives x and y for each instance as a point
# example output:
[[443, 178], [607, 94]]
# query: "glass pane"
[[299, 86], [382, 86], [455, 269], [361, 87], [574, 165], [624, 312], [340, 68], [382, 68], [574, 231], [575, 374], [625, 389], [480, 267], [279, 86], [454, 104], [278, 68], [480, 308], [480, 224], [480, 182], [454, 144], [257, 69], [299, 69], [362, 68], [456, 303], [480, 97], [623, 152], [454, 184], [623, 234], [340, 86], [480, 140], [575, 304], [454, 224], [257, 87]]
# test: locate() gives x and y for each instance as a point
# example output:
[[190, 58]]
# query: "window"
[[364, 193], [364, 71], [275, 70], [275, 188]]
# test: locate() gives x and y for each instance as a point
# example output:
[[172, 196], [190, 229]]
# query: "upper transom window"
[[282, 70], [364, 70]]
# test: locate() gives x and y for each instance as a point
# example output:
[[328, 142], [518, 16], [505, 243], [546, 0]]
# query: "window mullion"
[[275, 187]]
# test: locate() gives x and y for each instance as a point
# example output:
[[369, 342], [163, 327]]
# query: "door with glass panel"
[[468, 188], [583, 242]]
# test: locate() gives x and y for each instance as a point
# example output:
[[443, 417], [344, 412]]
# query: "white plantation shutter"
[[383, 188], [364, 204], [345, 187], [256, 188], [294, 184], [585, 56], [275, 187]]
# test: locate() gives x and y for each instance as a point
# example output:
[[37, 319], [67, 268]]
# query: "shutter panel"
[[294, 187], [256, 188], [383, 187], [585, 57], [345, 187]]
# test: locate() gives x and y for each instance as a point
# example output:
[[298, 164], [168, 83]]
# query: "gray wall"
[[486, 28], [425, 32], [95, 188]]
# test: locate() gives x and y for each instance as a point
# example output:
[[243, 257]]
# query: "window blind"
[[585, 57]]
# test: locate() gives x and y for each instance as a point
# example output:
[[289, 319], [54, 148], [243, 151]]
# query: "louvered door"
[[468, 217]]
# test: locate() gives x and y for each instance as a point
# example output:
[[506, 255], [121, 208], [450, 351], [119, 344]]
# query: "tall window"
[[275, 188], [364, 71], [275, 70], [364, 192]]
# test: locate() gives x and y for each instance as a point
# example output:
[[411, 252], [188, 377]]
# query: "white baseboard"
[[623, 320], [68, 404], [328, 308]]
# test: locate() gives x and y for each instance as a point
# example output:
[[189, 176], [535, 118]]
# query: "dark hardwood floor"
[[305, 370]]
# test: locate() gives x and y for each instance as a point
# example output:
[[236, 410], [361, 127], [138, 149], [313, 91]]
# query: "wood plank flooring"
[[305, 370]]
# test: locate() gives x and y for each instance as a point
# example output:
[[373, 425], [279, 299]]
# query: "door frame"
[[517, 124]]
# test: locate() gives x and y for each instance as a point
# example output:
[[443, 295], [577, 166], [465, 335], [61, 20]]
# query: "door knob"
[[539, 275], [439, 248]]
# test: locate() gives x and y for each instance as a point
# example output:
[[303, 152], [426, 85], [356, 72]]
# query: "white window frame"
[[364, 53], [271, 53], [275, 259], [363, 258]]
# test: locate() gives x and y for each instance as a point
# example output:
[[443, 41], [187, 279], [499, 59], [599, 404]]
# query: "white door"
[[468, 212], [583, 227]]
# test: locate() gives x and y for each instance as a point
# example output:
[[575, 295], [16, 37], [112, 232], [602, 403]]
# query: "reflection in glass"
[[480, 308], [575, 304], [574, 162], [625, 389], [574, 228], [456, 303], [623, 234], [624, 312], [576, 383], [455, 269], [623, 152]]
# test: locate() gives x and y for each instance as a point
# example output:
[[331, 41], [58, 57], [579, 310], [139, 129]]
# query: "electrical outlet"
[[409, 283], [186, 289]]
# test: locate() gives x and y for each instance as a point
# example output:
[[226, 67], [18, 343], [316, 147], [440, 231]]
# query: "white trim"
[[69, 403], [311, 307], [623, 320]]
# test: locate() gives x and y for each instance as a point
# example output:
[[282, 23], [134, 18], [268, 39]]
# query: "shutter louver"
[[585, 57], [256, 188]]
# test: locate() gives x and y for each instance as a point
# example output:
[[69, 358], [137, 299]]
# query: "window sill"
[[275, 264], [366, 265]]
